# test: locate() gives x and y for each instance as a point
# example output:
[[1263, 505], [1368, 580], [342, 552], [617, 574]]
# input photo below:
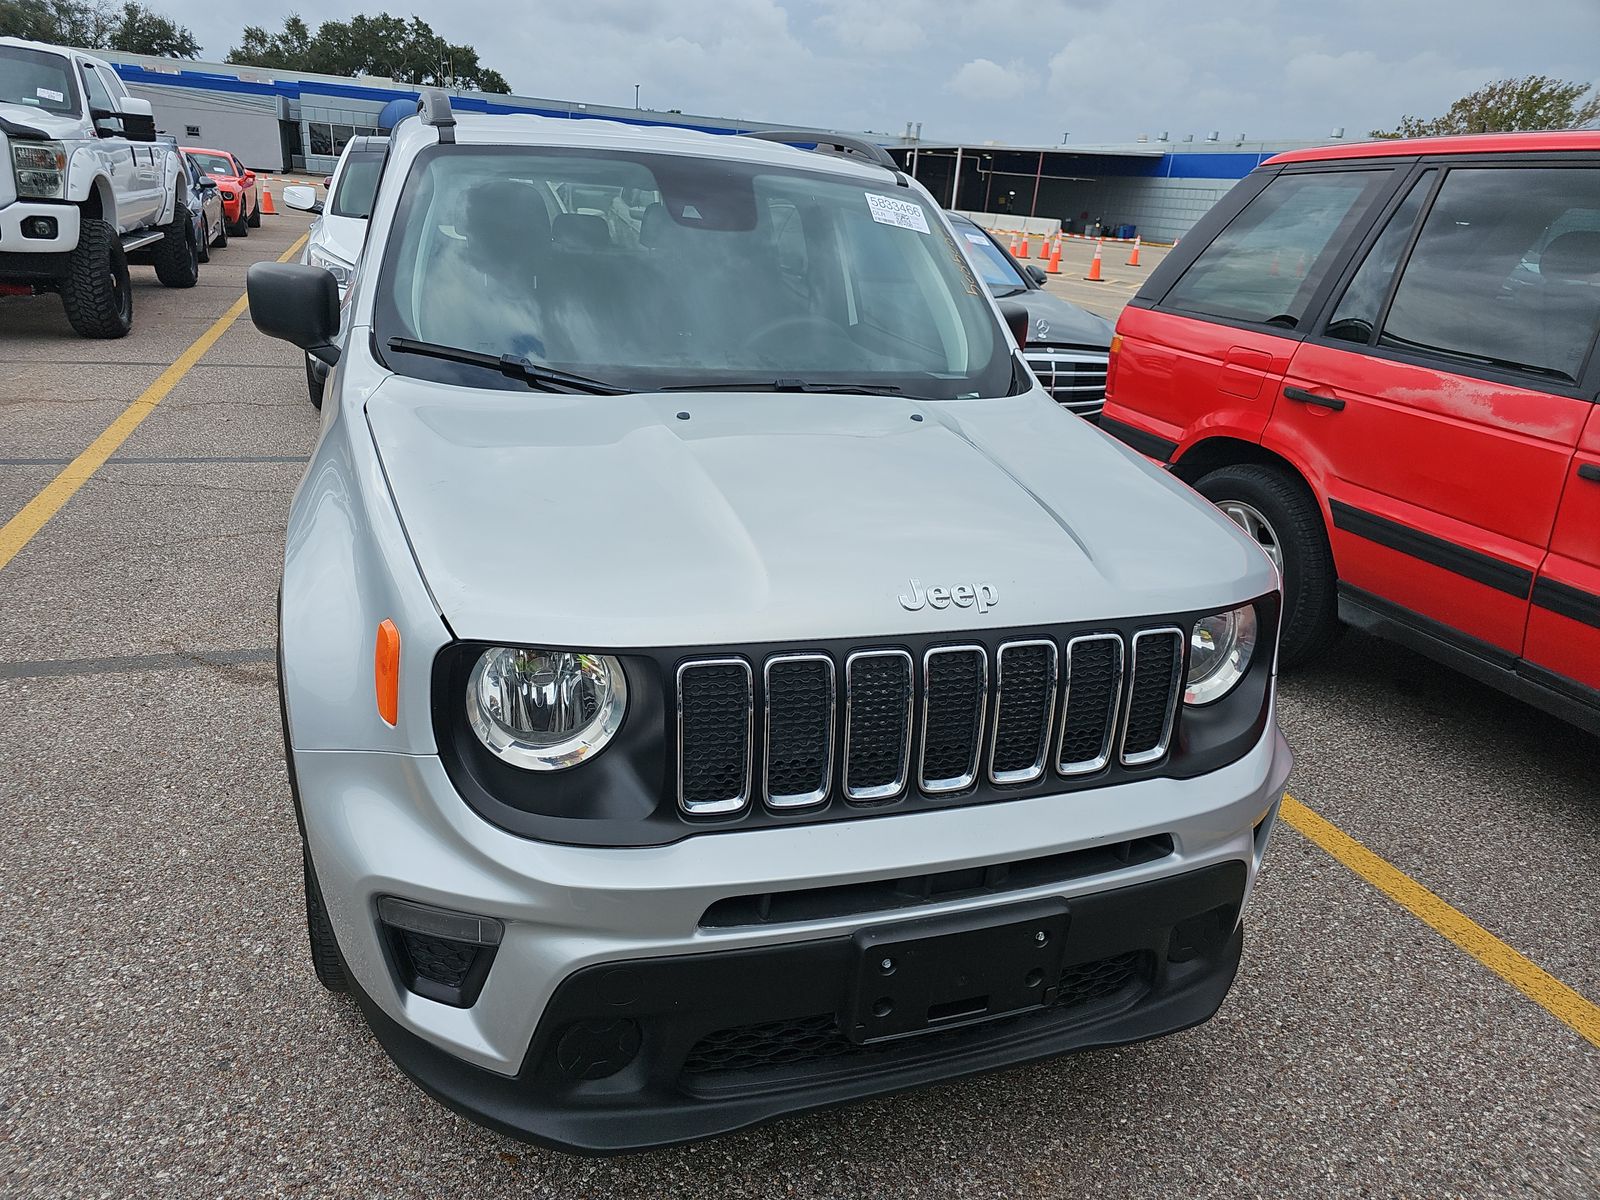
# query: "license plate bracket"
[[945, 972]]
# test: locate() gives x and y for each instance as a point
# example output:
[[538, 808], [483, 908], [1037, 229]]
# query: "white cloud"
[[985, 81]]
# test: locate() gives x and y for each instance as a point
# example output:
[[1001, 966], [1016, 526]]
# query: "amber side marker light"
[[386, 671]]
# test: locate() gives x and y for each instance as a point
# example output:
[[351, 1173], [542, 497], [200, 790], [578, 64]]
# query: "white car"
[[340, 229]]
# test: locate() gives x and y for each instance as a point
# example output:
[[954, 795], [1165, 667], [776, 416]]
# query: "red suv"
[[1380, 360]]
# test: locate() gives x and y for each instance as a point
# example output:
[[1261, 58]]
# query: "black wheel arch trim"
[[1141, 440], [1436, 551]]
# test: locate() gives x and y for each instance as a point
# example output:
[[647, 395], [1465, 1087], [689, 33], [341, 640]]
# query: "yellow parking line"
[[1544, 989], [19, 530]]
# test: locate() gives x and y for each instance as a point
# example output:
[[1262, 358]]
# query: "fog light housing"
[[40, 227], [439, 954]]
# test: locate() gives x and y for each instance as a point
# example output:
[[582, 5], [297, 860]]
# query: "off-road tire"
[[324, 950], [96, 290], [254, 219], [315, 385], [176, 256], [205, 239], [1311, 601]]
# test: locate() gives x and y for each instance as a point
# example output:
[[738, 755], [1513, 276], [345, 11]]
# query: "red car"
[[1380, 360], [236, 183]]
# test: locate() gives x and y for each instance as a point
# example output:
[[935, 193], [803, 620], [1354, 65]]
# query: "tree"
[[1506, 105], [141, 31], [408, 51], [97, 25]]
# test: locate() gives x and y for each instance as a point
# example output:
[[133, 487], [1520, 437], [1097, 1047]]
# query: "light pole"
[[636, 95]]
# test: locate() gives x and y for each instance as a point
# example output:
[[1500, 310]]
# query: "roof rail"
[[434, 106], [835, 143]]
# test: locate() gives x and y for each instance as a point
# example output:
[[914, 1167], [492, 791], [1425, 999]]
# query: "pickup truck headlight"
[[545, 710], [40, 169], [1220, 648], [337, 267]]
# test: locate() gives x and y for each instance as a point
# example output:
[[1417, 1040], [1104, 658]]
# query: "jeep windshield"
[[37, 79], [651, 271]]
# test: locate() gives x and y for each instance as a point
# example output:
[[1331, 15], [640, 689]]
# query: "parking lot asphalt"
[[162, 1031]]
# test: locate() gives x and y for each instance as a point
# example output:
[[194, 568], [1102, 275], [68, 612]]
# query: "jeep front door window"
[[37, 79]]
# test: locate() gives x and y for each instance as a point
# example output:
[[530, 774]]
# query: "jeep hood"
[[668, 520]]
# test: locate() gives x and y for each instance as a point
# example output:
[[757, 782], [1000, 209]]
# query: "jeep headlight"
[[545, 710], [335, 266], [1220, 647], [40, 169]]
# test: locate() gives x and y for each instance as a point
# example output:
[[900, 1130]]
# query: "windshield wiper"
[[513, 366], [790, 385]]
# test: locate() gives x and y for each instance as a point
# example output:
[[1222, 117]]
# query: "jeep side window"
[[1269, 261], [1464, 293], [1356, 318]]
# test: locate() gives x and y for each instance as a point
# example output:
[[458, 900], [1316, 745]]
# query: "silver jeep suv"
[[718, 681]]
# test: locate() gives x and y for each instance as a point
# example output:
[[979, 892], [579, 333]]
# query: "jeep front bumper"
[[616, 1015]]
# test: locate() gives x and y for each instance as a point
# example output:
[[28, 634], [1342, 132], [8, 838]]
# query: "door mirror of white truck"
[[300, 196], [134, 119]]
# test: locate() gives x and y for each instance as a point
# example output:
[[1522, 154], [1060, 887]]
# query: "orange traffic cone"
[[1015, 246], [1023, 253], [1094, 267], [1053, 267], [267, 209], [1133, 259]]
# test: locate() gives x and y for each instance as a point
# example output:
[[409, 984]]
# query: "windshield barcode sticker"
[[888, 211], [977, 239], [47, 94]]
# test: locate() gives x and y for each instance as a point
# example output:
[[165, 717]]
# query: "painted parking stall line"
[[1560, 1001], [20, 529]]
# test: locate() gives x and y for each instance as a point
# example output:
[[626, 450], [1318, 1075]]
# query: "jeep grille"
[[936, 724]]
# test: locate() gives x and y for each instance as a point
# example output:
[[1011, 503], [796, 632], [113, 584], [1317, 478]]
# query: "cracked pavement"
[[163, 1032]]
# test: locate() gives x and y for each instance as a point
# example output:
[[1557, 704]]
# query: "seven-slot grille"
[[1075, 378], [931, 725]]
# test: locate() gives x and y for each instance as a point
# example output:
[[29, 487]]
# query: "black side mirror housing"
[[1017, 319], [136, 127], [207, 182], [1036, 274], [297, 303]]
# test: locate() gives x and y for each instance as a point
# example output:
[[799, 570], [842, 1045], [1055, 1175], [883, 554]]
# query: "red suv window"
[[1266, 265]]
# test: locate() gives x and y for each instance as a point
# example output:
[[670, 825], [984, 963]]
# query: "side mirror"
[[208, 183], [1036, 274], [327, 181], [297, 303], [300, 196], [138, 119], [1017, 319]]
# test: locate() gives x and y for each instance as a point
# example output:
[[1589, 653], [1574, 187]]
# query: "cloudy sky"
[[1011, 70]]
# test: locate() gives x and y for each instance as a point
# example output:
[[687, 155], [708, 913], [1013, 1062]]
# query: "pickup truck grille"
[[1076, 378], [877, 723]]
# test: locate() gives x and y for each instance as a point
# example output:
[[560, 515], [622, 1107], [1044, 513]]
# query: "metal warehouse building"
[[288, 120], [281, 120]]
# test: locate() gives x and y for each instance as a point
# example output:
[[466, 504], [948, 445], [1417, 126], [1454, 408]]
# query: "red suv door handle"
[[1589, 471], [1305, 397]]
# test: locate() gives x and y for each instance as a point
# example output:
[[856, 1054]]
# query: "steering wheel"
[[808, 326]]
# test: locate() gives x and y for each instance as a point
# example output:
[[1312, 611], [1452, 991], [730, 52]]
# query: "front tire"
[[1275, 508], [177, 257], [324, 950], [96, 291], [222, 232], [241, 227], [255, 217], [205, 239]]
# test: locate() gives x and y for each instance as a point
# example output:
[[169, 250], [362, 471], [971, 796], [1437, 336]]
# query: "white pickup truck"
[[85, 188]]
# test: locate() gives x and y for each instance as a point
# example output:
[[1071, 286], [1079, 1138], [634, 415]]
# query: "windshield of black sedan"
[[994, 268], [656, 270]]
